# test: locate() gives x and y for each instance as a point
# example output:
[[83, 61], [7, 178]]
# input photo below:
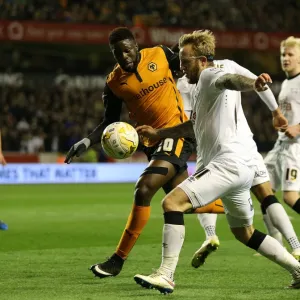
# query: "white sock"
[[271, 249], [281, 221], [173, 237], [271, 229], [208, 223]]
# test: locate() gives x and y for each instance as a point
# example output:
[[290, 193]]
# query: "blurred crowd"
[[52, 120], [38, 120], [263, 15]]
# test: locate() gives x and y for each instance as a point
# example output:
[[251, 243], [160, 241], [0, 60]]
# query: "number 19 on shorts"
[[291, 174]]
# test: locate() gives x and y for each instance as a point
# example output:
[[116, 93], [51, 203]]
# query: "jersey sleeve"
[[266, 96], [172, 58], [209, 77], [112, 113], [238, 69]]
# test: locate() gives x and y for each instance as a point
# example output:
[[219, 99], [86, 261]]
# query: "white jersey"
[[243, 131], [289, 102], [214, 117], [186, 90]]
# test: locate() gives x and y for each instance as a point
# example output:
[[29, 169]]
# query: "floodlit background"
[[54, 58]]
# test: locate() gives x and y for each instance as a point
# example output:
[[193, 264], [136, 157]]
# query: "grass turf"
[[57, 231]]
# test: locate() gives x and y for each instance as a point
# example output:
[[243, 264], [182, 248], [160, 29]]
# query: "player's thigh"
[[262, 190], [239, 208], [175, 181], [273, 164], [214, 182], [290, 178], [176, 152], [176, 200], [156, 175]]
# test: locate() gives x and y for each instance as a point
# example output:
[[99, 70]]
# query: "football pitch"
[[57, 231]]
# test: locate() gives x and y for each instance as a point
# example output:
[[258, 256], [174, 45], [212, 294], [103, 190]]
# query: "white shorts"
[[283, 164], [261, 174], [231, 181]]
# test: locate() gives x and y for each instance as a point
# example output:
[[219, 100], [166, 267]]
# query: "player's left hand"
[[2, 159], [149, 132], [293, 131], [261, 81], [77, 149]]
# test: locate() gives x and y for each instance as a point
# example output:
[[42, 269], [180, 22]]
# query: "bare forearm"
[[235, 82], [183, 130]]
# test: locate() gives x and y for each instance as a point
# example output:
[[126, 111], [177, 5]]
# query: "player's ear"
[[203, 60]]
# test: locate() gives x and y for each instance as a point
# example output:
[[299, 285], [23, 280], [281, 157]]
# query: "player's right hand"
[[261, 81], [279, 120], [149, 132], [77, 149]]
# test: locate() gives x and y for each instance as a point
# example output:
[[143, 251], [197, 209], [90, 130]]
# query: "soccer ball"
[[119, 140]]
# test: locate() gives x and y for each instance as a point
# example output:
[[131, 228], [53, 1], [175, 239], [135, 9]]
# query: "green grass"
[[57, 231]]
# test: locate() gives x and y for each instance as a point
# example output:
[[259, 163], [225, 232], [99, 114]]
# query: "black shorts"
[[175, 151]]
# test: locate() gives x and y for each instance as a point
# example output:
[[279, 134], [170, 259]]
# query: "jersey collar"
[[292, 77]]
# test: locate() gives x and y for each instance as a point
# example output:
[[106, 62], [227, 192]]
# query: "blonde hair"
[[203, 42], [291, 41]]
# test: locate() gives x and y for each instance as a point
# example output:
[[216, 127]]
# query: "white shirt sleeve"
[[267, 96], [209, 77], [242, 71]]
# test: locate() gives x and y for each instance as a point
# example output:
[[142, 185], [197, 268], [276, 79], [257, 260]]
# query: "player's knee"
[[175, 202], [268, 201], [143, 194], [168, 203]]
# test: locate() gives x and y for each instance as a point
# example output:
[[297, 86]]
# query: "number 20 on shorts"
[[166, 145]]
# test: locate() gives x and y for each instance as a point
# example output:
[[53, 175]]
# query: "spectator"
[[240, 14]]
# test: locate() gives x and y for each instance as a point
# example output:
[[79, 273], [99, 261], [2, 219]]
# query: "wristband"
[[269, 99]]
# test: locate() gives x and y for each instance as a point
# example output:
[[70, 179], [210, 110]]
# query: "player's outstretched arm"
[[2, 159], [182, 130], [113, 107], [242, 83]]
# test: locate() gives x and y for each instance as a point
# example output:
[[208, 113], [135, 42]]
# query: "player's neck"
[[210, 64], [292, 74]]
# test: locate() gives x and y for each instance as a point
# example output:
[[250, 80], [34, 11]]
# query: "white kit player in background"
[[283, 161], [228, 164], [273, 211]]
